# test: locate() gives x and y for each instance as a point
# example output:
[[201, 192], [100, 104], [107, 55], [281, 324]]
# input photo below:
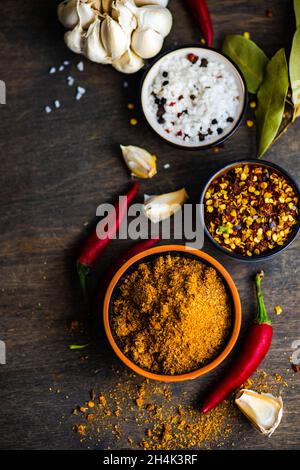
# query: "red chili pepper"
[[94, 246], [113, 268], [252, 353], [200, 11]]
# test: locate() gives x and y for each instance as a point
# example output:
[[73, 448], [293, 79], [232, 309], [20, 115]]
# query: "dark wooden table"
[[56, 169]]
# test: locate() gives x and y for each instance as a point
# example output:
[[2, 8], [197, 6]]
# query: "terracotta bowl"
[[180, 250]]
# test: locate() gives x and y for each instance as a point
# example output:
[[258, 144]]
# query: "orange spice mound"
[[172, 315]]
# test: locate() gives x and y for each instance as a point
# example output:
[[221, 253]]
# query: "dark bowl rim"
[[237, 256], [238, 123]]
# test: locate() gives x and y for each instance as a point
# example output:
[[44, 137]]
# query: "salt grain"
[[80, 66], [66, 62], [61, 68], [52, 70], [57, 104], [70, 80], [48, 109], [80, 92], [166, 166], [125, 84]]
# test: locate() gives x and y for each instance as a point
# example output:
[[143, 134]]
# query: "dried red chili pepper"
[[200, 11], [94, 246], [254, 350], [118, 263]]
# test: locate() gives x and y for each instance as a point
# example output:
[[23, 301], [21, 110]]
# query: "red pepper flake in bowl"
[[251, 209]]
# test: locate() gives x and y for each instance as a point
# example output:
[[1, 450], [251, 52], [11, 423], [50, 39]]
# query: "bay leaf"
[[271, 101], [294, 67], [250, 59], [297, 12]]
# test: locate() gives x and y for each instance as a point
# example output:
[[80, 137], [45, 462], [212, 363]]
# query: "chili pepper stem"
[[82, 270], [262, 314]]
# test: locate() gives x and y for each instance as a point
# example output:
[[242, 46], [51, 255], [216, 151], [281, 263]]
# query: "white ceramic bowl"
[[201, 52]]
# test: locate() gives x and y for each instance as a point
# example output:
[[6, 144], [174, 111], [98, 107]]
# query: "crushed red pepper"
[[251, 209]]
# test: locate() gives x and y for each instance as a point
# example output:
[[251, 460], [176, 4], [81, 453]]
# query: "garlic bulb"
[[141, 3], [154, 17], [74, 39], [262, 409], [93, 47], [114, 39], [139, 161], [146, 42], [124, 16], [129, 62], [67, 13], [161, 207], [87, 14]]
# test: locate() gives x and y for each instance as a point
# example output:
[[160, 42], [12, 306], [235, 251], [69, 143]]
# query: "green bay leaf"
[[271, 101], [297, 12], [294, 66], [250, 59]]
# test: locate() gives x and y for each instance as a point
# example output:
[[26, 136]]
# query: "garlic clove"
[[67, 13], [262, 409], [141, 3], [106, 5], [124, 16], [146, 42], [86, 13], [74, 39], [93, 47], [158, 208], [129, 62], [139, 161], [114, 38], [155, 17]]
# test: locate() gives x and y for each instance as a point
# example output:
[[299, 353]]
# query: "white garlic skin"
[[93, 47], [155, 17], [146, 42], [124, 16], [129, 62], [87, 14], [74, 39], [67, 13], [114, 39]]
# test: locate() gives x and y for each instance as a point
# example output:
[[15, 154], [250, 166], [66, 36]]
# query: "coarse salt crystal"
[[166, 166], [81, 90], [52, 70], [70, 80], [57, 104], [66, 62], [48, 109], [125, 84], [61, 68], [80, 66]]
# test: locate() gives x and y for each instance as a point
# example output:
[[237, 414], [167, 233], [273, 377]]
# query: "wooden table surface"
[[56, 169]]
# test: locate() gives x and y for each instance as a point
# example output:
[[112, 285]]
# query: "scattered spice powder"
[[172, 315], [251, 209], [163, 424]]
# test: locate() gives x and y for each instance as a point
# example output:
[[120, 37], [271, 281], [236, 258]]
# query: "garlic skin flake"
[[262, 409], [114, 39], [129, 62], [93, 47], [158, 208], [146, 42], [139, 161]]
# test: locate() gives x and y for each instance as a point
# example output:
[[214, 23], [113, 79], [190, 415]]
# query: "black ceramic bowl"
[[270, 253], [208, 53]]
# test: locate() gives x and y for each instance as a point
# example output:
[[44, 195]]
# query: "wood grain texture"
[[56, 169]]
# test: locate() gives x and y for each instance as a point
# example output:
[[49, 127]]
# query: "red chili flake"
[[172, 103], [192, 58], [179, 133]]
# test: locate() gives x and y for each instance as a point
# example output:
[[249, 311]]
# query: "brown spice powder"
[[172, 315]]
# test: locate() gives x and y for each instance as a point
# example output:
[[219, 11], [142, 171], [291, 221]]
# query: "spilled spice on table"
[[138, 413]]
